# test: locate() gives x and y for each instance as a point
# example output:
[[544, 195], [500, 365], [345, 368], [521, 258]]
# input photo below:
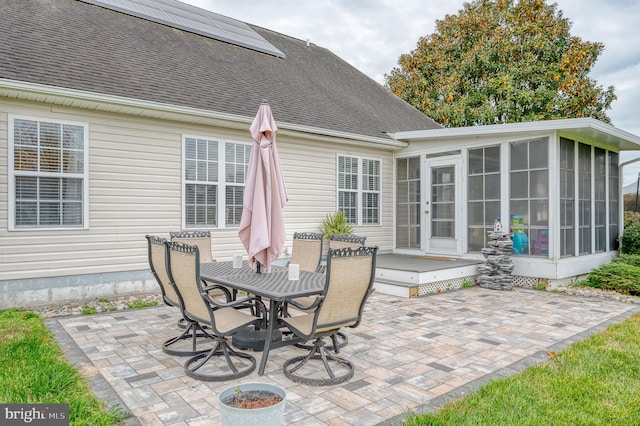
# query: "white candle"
[[294, 271], [237, 261]]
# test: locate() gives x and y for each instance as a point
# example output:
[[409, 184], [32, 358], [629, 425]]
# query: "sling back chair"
[[202, 239], [192, 330], [307, 250], [222, 319], [307, 253], [349, 282], [338, 241]]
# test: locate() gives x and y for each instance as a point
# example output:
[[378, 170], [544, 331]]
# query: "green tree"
[[502, 61]]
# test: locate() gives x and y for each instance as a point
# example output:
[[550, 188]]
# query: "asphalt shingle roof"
[[72, 44]]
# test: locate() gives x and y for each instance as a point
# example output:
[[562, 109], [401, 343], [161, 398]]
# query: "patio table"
[[274, 285], [226, 268]]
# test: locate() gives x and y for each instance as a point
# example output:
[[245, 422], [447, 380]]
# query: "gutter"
[[109, 103], [521, 127]]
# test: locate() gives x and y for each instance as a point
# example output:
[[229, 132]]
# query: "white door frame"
[[445, 246]]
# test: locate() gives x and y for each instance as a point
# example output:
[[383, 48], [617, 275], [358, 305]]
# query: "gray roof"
[[73, 44]]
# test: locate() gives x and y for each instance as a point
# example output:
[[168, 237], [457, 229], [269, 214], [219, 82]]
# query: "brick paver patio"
[[410, 354]]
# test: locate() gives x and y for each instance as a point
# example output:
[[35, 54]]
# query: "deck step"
[[403, 283], [396, 288]]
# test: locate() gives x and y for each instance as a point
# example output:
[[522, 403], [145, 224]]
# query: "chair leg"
[[319, 352], [220, 371], [182, 323], [193, 332], [339, 340]]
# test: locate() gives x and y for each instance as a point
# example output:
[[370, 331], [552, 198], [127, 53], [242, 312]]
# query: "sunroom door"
[[443, 206]]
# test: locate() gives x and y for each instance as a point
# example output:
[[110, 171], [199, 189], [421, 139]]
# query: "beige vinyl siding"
[[309, 169], [135, 189]]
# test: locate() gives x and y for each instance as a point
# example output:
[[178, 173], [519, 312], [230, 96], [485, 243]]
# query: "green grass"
[[33, 371], [88, 310], [466, 283], [593, 382], [138, 304]]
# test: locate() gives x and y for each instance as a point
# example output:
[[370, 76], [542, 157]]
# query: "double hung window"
[[48, 177], [359, 189], [214, 180]]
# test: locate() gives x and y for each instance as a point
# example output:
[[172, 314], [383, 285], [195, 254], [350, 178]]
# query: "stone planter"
[[266, 416]]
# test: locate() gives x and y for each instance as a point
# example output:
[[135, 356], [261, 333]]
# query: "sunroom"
[[554, 185]]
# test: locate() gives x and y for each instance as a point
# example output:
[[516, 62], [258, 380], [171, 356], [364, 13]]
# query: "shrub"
[[336, 223], [631, 218], [631, 259], [631, 240], [618, 276]]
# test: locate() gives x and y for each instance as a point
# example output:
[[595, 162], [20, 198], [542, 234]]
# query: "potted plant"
[[252, 404], [335, 223]]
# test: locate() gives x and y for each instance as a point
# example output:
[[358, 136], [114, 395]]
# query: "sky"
[[372, 34]]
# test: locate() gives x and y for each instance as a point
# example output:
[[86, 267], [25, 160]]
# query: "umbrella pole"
[[257, 267]]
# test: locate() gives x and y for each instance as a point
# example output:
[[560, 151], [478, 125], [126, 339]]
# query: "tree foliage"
[[502, 61]]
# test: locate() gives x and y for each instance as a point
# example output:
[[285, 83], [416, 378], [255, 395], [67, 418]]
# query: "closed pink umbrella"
[[262, 224]]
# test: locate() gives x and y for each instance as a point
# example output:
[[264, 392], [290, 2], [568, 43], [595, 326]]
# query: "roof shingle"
[[72, 44]]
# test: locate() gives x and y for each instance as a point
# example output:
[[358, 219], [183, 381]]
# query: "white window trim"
[[12, 175], [359, 192], [221, 183]]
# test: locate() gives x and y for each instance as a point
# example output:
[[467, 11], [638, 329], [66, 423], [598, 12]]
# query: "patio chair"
[[157, 250], [307, 250], [202, 239], [338, 241], [349, 282], [221, 362]]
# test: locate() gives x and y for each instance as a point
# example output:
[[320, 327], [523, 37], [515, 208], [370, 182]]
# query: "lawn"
[[34, 371], [592, 382]]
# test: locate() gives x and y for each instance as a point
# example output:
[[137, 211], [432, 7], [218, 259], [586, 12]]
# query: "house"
[[113, 127], [119, 120]]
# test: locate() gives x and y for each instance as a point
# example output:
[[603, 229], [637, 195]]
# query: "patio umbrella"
[[262, 225]]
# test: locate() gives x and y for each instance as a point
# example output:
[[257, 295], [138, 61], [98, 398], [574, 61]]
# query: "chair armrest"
[[217, 304], [245, 302], [302, 307], [208, 288]]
